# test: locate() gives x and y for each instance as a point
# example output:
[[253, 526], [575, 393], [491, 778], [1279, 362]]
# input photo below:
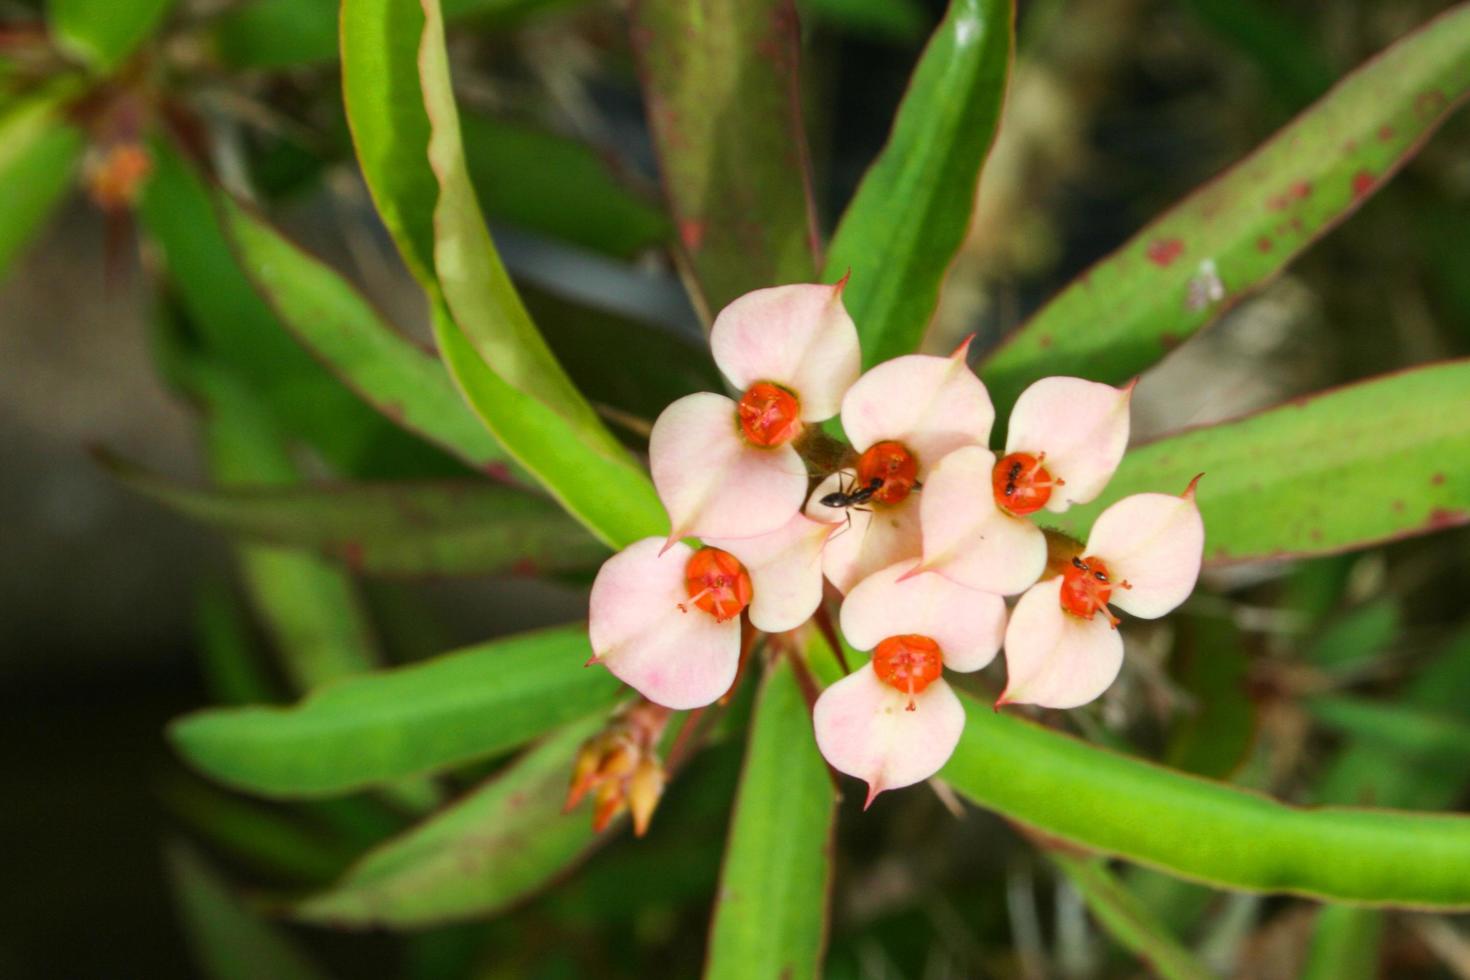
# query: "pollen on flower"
[[717, 583], [770, 415], [892, 463], [1022, 483], [908, 663], [1087, 586]]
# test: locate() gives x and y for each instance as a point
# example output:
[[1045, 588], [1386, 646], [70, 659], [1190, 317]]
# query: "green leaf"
[[366, 730], [336, 323], [912, 211], [399, 528], [38, 159], [102, 33], [894, 21], [719, 80], [542, 182], [390, 129], [1237, 232], [232, 672], [273, 34], [1127, 919], [517, 387], [1207, 831], [238, 328], [771, 910], [1345, 944], [495, 846], [1357, 637], [1290, 60], [229, 942], [1441, 742], [1376, 461]]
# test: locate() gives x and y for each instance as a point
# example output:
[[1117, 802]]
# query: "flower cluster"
[[919, 526]]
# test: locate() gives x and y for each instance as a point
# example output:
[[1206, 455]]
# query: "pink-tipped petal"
[[714, 483], [1082, 426], [967, 538], [678, 659], [967, 625], [865, 730], [799, 337], [1154, 542], [785, 569], [1053, 658], [875, 538], [933, 405]]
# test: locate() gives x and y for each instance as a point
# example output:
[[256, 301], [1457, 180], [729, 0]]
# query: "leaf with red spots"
[[1237, 232], [501, 841], [1372, 462], [396, 528], [912, 211], [719, 82]]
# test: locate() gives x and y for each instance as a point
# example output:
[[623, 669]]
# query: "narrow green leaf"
[[232, 672], [1207, 831], [102, 33], [519, 389], [398, 528], [271, 34], [1355, 638], [390, 129], [912, 210], [336, 323], [490, 849], [1287, 55], [1383, 459], [1345, 942], [724, 106], [1237, 232], [1127, 919], [228, 940], [1210, 664], [771, 910], [238, 328], [542, 182], [374, 728], [38, 159], [1407, 730], [894, 21]]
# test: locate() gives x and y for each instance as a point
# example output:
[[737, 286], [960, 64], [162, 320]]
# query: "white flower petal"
[[785, 569], [933, 405], [1082, 426], [875, 538], [967, 538], [1154, 542], [967, 625], [865, 730], [713, 482], [1053, 658], [799, 337], [677, 659]]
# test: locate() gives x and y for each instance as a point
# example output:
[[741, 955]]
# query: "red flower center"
[[770, 415], [1086, 587], [1022, 484], [717, 583], [894, 465], [908, 663]]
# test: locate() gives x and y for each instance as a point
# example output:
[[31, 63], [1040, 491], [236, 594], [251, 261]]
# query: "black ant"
[[849, 497]]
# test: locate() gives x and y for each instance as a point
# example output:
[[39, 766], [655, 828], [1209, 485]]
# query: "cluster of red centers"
[[717, 583], [769, 415], [908, 663]]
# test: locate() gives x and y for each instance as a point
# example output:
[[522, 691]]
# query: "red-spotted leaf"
[[1237, 232], [719, 81]]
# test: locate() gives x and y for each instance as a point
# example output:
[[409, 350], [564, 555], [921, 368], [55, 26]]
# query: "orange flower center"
[[770, 415], [717, 583], [1086, 587], [908, 663], [1022, 484], [894, 465]]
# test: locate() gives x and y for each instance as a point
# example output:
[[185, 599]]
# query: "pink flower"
[[903, 417], [785, 568], [1065, 439], [727, 469], [895, 721], [1143, 556]]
